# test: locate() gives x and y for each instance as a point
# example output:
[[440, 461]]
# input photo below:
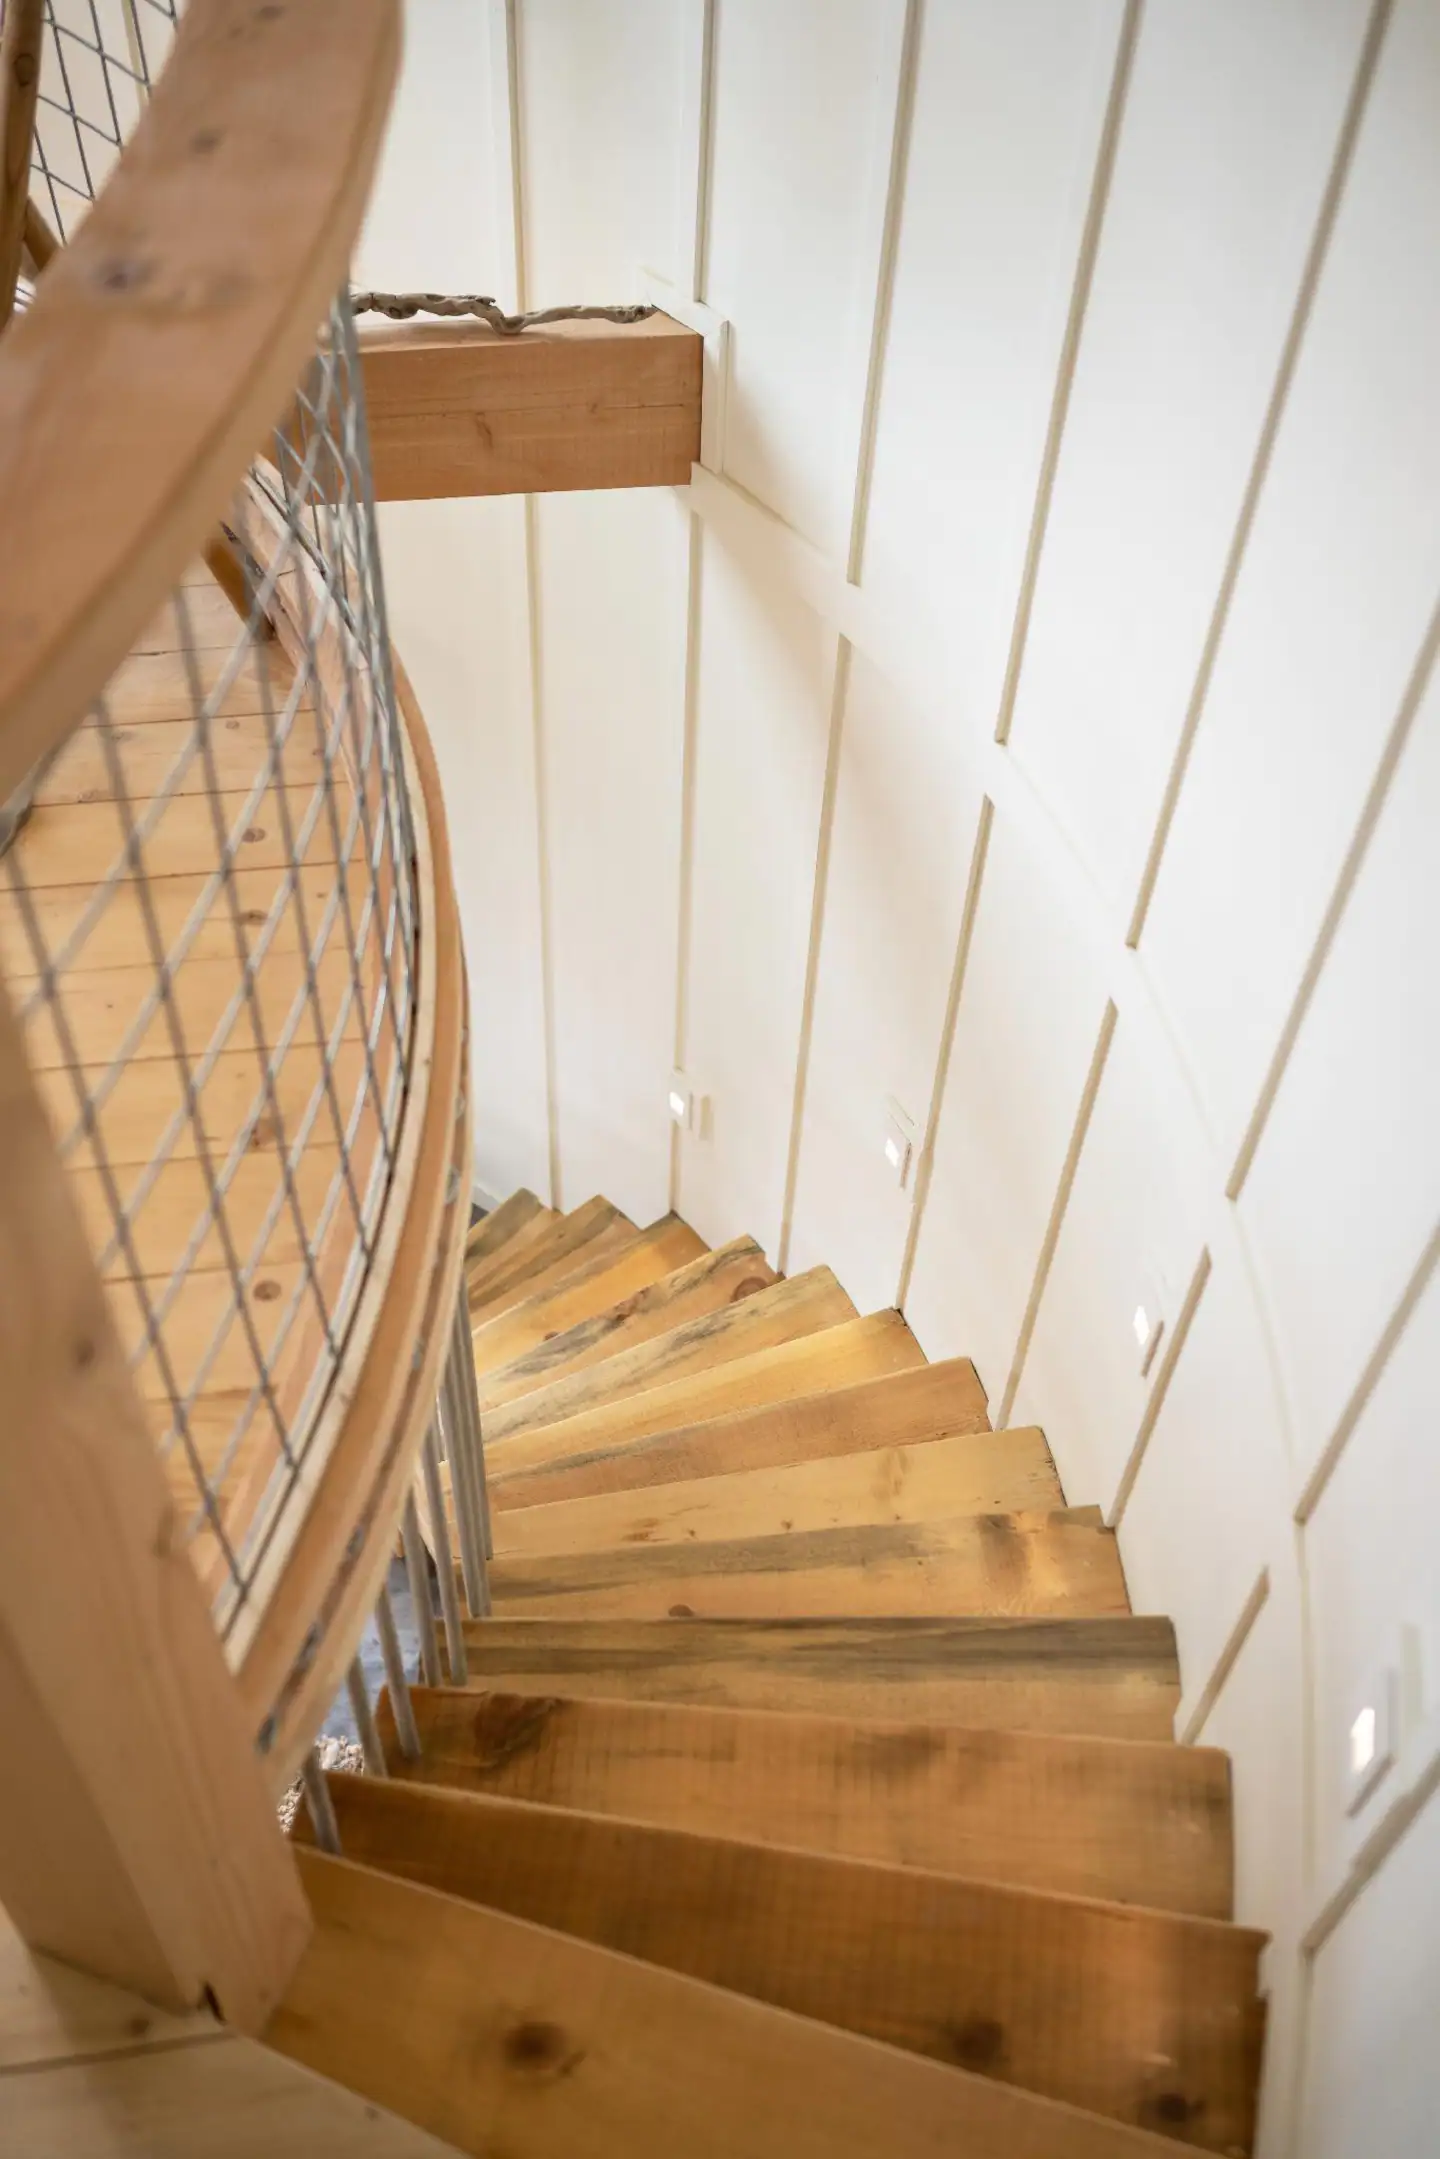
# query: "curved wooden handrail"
[[170, 335], [310, 1618]]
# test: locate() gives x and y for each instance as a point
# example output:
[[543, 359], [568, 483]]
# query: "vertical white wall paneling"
[[1374, 2081], [1375, 1591], [1359, 1096], [1008, 109], [612, 615], [1331, 605], [1208, 1509], [454, 579], [895, 891], [802, 115], [763, 706], [1230, 126], [435, 210], [1130, 1236], [599, 84], [1024, 1043], [1259, 1721]]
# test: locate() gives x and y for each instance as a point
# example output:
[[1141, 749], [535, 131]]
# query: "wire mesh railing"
[[209, 918]]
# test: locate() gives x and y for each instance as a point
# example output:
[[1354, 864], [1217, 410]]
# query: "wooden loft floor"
[[105, 1019]]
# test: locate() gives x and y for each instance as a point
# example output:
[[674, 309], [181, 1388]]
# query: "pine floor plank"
[[973, 1473], [501, 1224], [785, 1312], [525, 1265], [531, 1466], [500, 2036], [1113, 1678], [1133, 1824], [919, 1402], [213, 2098], [1008, 1564], [661, 1281], [1147, 2017]]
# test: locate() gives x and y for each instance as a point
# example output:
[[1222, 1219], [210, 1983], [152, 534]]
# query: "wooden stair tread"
[[1142, 1823], [522, 1467], [1149, 2017], [974, 1473], [597, 1290], [498, 2035], [1061, 1562], [783, 1312], [919, 1402], [543, 1259], [501, 1224], [504, 1254], [1113, 1678]]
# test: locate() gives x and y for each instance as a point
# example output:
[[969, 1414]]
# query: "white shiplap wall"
[[1026, 718]]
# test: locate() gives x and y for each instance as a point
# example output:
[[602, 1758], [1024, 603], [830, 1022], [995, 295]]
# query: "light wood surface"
[[502, 2036], [205, 1349], [785, 1312], [528, 1466], [456, 408], [664, 1277], [1148, 2017], [543, 1253], [1139, 1824], [979, 1472], [218, 2097], [1114, 1678], [500, 1224], [919, 1401], [1060, 1563], [21, 49], [128, 1761], [256, 150]]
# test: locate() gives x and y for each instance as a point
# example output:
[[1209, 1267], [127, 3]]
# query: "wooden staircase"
[[813, 1792]]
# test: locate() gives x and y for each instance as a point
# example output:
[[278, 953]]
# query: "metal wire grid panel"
[[99, 61], [210, 932], [209, 919]]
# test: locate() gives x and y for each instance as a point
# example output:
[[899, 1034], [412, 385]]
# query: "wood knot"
[[540, 2051], [507, 1725], [267, 1291], [978, 2044], [681, 1611], [747, 1287], [254, 832]]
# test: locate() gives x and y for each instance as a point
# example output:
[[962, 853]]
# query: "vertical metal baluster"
[[470, 1407], [364, 1716], [407, 1736], [317, 1799], [417, 1566], [463, 1487], [444, 1564]]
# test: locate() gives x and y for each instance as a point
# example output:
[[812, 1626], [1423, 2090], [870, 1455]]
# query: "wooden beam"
[[455, 408], [137, 1839]]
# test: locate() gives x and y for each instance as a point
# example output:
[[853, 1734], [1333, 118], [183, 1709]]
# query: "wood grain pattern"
[[538, 1257], [1063, 1563], [1114, 1678], [1132, 1823], [502, 2036], [523, 1467], [256, 150], [456, 408], [664, 1277], [129, 1761], [217, 2097], [789, 1311], [849, 1415], [22, 39], [500, 1225], [974, 1473], [1148, 2017], [49, 2012]]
